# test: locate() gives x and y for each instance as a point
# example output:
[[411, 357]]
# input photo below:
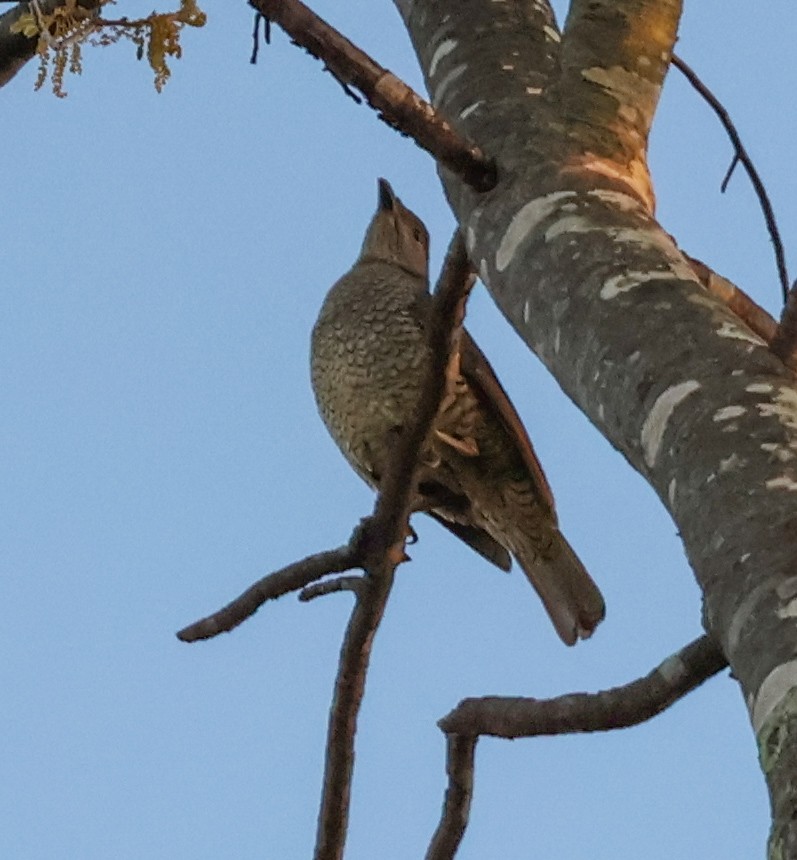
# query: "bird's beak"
[[387, 198]]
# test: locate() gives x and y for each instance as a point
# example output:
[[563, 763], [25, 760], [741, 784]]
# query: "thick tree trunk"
[[568, 246]]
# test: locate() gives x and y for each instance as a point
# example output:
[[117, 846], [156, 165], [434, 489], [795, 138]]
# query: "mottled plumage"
[[480, 477]]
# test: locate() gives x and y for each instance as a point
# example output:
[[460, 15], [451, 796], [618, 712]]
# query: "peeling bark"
[[569, 248]]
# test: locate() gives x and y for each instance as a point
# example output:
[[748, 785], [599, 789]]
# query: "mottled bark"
[[568, 246]]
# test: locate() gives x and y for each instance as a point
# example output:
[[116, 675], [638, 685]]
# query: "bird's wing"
[[480, 375], [478, 540], [442, 498]]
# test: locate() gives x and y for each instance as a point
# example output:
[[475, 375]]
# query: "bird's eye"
[[418, 234]]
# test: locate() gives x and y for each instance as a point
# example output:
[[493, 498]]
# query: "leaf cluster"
[[63, 33]]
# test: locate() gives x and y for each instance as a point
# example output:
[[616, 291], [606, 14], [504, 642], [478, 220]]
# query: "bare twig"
[[383, 550], [256, 38], [331, 586], [507, 717], [729, 173], [291, 578], [399, 105], [741, 155]]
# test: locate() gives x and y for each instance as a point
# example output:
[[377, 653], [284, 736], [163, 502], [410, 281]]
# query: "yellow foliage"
[[63, 32], [25, 24]]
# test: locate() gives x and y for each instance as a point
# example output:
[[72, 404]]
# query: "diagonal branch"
[[510, 717], [399, 105]]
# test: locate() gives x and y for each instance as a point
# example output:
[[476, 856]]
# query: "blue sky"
[[164, 258]]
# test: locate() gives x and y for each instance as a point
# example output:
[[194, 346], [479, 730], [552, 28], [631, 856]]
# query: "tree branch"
[[376, 545], [399, 106], [294, 577], [461, 753], [617, 708], [385, 534], [330, 586], [741, 155], [510, 717]]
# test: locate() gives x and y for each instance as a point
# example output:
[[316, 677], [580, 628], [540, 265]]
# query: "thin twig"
[[382, 550], [347, 90], [291, 578], [741, 155], [507, 717], [330, 586], [256, 38], [729, 173], [399, 105]]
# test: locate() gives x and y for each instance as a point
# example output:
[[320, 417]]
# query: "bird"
[[478, 475]]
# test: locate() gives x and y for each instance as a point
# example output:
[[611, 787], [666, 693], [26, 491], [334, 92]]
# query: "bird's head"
[[396, 235]]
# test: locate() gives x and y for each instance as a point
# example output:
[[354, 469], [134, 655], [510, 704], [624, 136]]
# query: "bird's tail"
[[571, 598]]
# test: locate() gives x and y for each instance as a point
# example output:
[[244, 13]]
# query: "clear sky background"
[[163, 261]]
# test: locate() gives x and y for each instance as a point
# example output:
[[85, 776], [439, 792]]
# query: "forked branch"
[[376, 546], [294, 577]]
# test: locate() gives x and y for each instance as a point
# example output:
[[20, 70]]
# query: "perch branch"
[[377, 546], [371, 599], [383, 550], [740, 154], [399, 105], [509, 717]]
